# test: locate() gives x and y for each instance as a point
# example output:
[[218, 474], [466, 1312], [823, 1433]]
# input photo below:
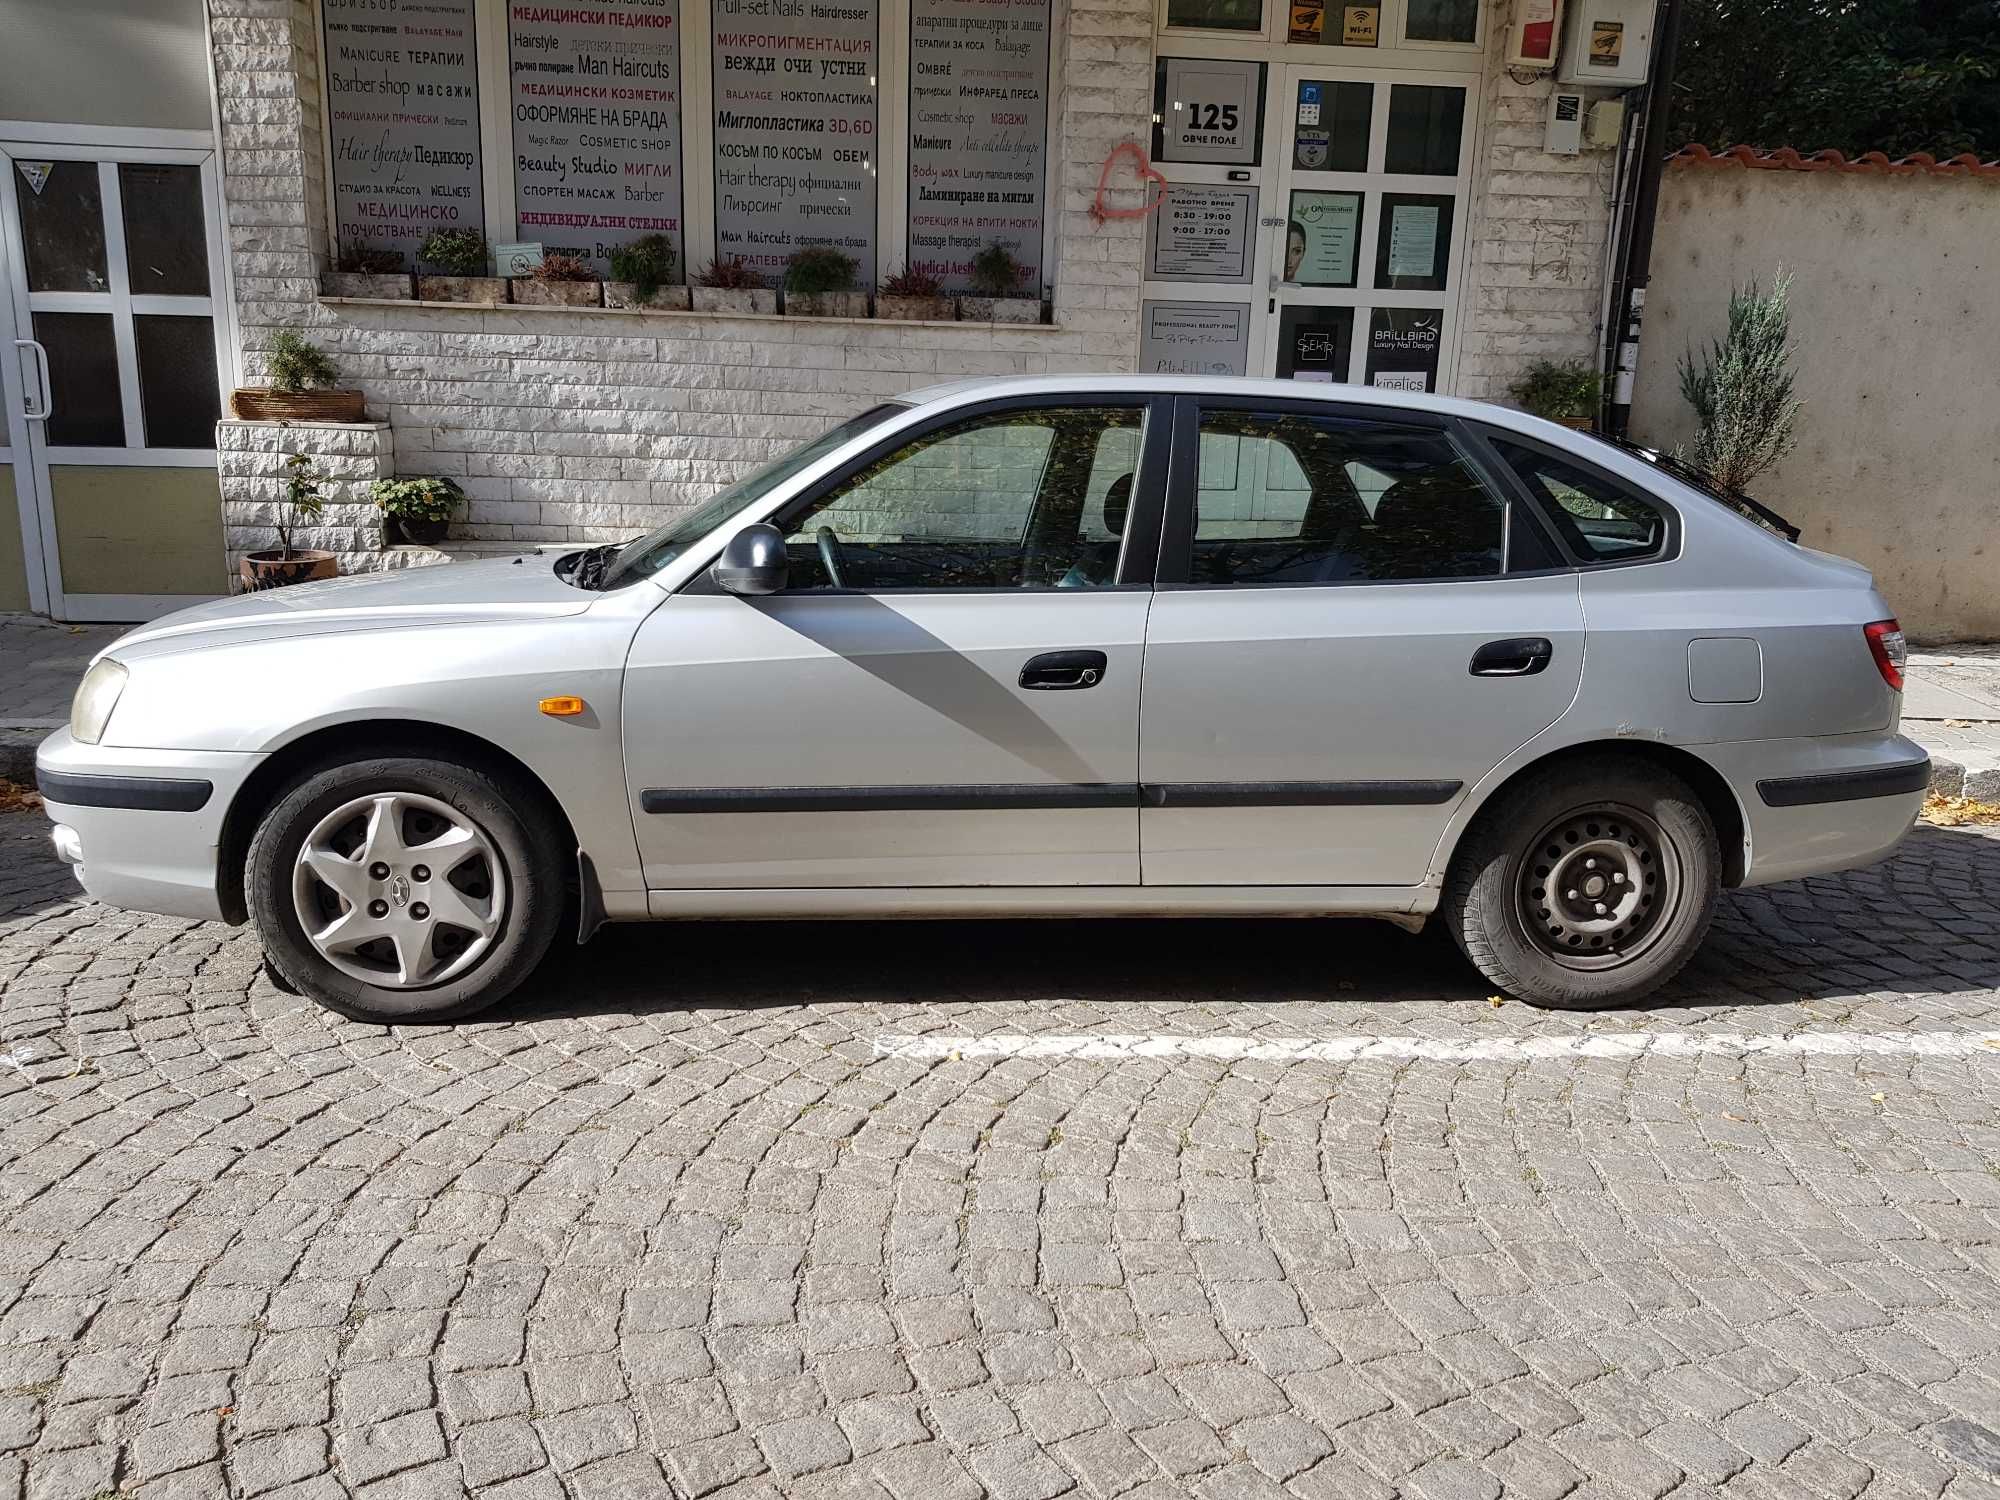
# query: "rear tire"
[[1586, 886], [472, 843]]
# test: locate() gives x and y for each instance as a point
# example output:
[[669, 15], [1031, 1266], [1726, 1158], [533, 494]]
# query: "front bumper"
[[142, 828], [1812, 806]]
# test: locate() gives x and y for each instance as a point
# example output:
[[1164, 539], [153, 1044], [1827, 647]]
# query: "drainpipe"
[[1638, 267]]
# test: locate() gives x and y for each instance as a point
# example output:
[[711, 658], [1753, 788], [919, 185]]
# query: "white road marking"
[[1604, 1044]]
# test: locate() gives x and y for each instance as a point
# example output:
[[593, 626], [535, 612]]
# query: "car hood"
[[505, 589]]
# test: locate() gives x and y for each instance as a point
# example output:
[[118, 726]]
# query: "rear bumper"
[[142, 828], [1811, 806]]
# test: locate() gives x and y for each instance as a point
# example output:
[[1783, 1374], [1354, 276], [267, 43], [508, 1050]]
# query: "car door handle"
[[1064, 671], [1521, 657]]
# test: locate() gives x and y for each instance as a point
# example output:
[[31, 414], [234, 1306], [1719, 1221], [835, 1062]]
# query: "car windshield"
[[649, 554]]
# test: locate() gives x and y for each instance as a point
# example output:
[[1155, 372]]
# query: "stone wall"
[[567, 424]]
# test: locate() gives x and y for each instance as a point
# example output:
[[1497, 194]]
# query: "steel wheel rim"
[[399, 890], [1598, 887]]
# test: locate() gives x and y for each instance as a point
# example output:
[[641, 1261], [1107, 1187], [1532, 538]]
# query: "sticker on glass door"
[[1315, 343], [1403, 348]]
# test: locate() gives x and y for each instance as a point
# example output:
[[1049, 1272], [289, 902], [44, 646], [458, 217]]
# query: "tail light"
[[1890, 650]]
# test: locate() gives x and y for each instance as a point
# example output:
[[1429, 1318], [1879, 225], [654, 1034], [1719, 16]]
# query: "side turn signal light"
[[563, 708]]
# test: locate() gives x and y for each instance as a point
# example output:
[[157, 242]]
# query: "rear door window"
[[1600, 520]]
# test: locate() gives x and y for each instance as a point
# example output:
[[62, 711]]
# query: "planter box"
[[826, 304], [720, 299], [392, 286], [405, 530], [1000, 309], [272, 569], [664, 298], [257, 404], [530, 292], [488, 291], [914, 309]]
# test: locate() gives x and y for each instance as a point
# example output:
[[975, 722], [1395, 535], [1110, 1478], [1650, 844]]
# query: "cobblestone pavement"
[[672, 1223]]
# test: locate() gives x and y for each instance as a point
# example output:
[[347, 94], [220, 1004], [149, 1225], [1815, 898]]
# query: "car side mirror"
[[753, 561]]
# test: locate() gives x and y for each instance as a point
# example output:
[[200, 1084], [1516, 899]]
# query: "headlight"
[[95, 697]]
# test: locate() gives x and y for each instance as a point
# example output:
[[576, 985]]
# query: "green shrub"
[[455, 252], [303, 502], [564, 268], [355, 258], [647, 262], [426, 497], [996, 273], [1560, 392], [730, 275], [1746, 417], [911, 282], [816, 270], [295, 363]]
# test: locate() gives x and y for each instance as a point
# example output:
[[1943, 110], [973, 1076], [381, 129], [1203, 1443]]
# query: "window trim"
[[1176, 564], [1136, 557], [1486, 438]]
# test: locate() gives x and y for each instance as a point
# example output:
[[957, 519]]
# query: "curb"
[[17, 754]]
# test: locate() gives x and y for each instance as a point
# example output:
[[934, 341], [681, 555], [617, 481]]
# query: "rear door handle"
[[1064, 671], [1523, 656]]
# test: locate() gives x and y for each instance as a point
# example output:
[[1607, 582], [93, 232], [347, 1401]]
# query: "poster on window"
[[1202, 234], [402, 92], [1403, 348], [795, 114], [1209, 110], [1194, 338], [1314, 343], [1322, 238], [597, 124], [979, 126]]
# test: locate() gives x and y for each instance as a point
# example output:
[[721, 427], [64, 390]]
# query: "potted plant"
[[417, 510], [361, 270], [559, 281], [729, 286], [285, 563], [1567, 392], [912, 295], [640, 271], [301, 378], [996, 278], [819, 283], [457, 261]]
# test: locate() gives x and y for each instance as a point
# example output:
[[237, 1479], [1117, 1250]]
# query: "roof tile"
[[1788, 159]]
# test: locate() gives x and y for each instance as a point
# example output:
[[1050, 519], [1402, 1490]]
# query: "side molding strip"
[[982, 798], [1300, 793], [1846, 786]]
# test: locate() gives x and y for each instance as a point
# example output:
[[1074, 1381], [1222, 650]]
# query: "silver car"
[[1079, 646]]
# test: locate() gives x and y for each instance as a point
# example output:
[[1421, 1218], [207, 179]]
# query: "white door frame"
[[32, 455]]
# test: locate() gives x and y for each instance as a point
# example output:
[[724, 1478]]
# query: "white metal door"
[[114, 267]]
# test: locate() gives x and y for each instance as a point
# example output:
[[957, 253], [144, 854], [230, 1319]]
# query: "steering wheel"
[[829, 556]]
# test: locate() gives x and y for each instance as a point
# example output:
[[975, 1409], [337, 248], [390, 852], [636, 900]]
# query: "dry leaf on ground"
[[16, 798], [1950, 812]]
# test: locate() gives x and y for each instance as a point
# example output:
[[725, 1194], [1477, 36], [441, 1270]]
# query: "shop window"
[[1413, 242], [403, 119], [166, 232], [978, 175], [597, 126], [1442, 21], [1331, 133], [178, 396], [62, 227], [1426, 123], [1216, 15], [83, 376]]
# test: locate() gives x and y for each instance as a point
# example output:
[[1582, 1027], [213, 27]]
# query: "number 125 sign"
[[1211, 110]]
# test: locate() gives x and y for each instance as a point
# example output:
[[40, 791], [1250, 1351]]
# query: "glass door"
[[1373, 173], [113, 262]]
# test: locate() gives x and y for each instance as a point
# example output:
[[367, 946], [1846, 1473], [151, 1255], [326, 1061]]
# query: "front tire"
[[1588, 885], [402, 888]]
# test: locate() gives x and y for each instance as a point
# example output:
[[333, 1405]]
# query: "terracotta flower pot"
[[625, 294], [484, 290], [392, 286], [1000, 309], [826, 304], [260, 404], [530, 292], [731, 299], [274, 569], [914, 309], [414, 531]]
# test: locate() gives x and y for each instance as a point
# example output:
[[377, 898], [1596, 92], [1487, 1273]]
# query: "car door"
[[1353, 625], [946, 693]]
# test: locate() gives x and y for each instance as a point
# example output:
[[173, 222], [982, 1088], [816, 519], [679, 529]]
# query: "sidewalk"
[[1951, 703]]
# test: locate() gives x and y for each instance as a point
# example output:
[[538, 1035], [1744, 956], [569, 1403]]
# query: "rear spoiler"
[[1694, 478]]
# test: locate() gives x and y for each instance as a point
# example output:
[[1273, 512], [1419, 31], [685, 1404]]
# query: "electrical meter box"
[[1608, 43]]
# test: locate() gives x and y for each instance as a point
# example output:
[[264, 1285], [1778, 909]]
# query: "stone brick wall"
[[250, 459], [583, 425], [1534, 278]]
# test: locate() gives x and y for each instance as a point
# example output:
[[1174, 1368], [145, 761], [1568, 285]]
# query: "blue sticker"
[[1308, 93]]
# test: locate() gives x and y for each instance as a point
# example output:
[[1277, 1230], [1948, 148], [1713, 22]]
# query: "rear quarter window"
[[1599, 519]]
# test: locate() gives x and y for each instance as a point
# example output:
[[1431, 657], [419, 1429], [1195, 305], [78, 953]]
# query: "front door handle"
[[1523, 656], [45, 404], [1064, 671]]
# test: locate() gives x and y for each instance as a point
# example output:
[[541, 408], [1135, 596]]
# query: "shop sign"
[[795, 114], [979, 117], [1202, 234], [1323, 238], [1360, 25], [402, 88], [1212, 111], [1194, 338], [1313, 343], [1403, 348], [596, 102]]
